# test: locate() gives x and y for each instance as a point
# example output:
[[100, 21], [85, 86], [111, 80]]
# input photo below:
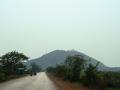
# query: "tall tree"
[[74, 65], [11, 59]]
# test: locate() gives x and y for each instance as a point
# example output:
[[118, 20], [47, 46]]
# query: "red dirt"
[[66, 85]]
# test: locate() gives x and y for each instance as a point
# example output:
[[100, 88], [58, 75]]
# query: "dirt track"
[[39, 82]]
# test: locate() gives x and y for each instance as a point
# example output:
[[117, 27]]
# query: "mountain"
[[58, 56]]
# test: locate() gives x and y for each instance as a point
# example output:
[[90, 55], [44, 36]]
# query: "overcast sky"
[[36, 27]]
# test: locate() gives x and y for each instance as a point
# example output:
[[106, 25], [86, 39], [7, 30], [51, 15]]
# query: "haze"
[[36, 27]]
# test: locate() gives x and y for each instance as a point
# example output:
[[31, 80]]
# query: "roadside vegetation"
[[74, 69], [12, 65]]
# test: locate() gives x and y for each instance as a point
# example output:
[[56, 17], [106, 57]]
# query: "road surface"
[[39, 82]]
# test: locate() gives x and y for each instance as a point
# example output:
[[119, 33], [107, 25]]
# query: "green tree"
[[11, 60], [91, 75], [74, 65], [60, 70]]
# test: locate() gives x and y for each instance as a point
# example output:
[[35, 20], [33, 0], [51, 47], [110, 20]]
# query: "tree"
[[60, 70], [11, 60], [91, 75], [74, 65], [51, 69]]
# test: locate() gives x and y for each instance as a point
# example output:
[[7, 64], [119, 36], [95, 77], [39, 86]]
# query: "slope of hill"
[[58, 56]]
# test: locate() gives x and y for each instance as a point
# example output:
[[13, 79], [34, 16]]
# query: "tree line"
[[75, 69], [12, 64]]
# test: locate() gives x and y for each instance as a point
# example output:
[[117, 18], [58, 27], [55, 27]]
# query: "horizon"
[[36, 27]]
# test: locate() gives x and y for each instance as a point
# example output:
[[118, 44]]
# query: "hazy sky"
[[36, 27]]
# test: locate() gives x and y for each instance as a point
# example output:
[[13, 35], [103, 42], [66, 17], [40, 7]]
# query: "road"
[[39, 82]]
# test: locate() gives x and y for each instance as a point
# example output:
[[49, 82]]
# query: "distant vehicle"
[[33, 73]]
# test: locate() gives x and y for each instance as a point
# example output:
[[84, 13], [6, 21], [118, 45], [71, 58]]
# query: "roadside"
[[66, 85], [13, 77]]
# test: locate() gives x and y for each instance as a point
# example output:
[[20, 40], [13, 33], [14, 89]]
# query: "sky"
[[36, 27]]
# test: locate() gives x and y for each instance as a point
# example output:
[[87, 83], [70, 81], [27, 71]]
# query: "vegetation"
[[10, 63], [70, 70], [73, 66], [75, 70], [2, 74], [91, 75]]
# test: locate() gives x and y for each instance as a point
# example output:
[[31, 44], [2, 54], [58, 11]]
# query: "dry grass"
[[66, 85]]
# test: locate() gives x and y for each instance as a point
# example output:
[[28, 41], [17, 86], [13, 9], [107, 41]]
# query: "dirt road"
[[39, 82]]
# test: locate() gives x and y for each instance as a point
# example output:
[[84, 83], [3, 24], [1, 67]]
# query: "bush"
[[74, 65], [91, 75], [70, 69], [2, 74], [73, 69]]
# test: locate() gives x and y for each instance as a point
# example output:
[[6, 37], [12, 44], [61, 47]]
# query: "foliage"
[[70, 69], [11, 61], [2, 74], [74, 65], [112, 79], [91, 75], [60, 70], [20, 65], [10, 64], [75, 69], [50, 69]]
